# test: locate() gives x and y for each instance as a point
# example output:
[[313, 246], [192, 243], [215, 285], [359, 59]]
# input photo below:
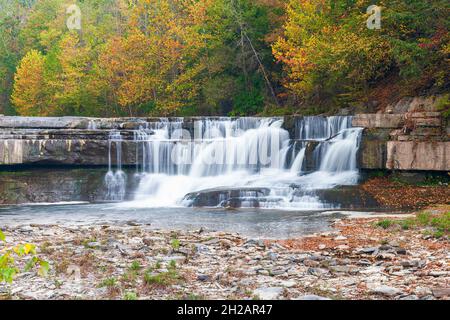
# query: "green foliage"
[[9, 255], [384, 223], [437, 225], [209, 57], [130, 295], [169, 277], [443, 104], [108, 283], [175, 244], [329, 54], [135, 266]]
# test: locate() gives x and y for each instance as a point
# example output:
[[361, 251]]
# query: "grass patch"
[[108, 283], [171, 276], [438, 224], [130, 295], [135, 266], [385, 223], [175, 244]]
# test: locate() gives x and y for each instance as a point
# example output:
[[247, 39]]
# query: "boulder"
[[227, 197]]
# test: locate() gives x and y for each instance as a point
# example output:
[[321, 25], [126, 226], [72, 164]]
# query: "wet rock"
[[230, 197], [269, 293]]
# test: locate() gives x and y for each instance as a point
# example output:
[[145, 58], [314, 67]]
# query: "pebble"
[[316, 271], [226, 265], [422, 291], [268, 293], [202, 277], [386, 290], [441, 292], [312, 297]]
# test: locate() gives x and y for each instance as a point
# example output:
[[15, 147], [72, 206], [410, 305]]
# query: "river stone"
[[202, 277], [386, 290], [422, 291], [312, 297], [269, 293], [441, 292]]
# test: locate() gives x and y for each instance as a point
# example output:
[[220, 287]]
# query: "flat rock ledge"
[[131, 261]]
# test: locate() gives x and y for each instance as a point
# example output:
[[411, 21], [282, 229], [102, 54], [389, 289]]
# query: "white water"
[[115, 180], [245, 152]]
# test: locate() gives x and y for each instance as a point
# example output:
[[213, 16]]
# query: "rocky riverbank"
[[370, 258]]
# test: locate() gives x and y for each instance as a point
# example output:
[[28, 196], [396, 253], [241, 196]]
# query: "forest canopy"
[[216, 57]]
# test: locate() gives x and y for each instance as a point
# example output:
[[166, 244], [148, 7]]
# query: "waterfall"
[[232, 160], [340, 154], [321, 128], [115, 180]]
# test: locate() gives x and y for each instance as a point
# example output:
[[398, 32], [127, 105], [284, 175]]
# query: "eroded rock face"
[[378, 120], [62, 152], [413, 135], [56, 185], [51, 185], [412, 155]]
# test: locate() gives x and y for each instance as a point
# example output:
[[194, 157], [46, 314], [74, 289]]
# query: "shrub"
[[9, 255]]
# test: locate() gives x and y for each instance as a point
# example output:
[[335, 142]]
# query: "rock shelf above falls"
[[84, 141]]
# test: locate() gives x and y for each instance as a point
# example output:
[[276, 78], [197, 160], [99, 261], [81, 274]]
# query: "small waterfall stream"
[[246, 162], [115, 180]]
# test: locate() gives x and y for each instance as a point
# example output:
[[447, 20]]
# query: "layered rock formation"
[[412, 136]]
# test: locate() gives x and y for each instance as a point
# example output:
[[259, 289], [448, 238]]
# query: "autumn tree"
[[28, 95]]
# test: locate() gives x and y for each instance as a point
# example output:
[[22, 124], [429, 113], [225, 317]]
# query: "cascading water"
[[321, 128], [236, 158], [115, 180]]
